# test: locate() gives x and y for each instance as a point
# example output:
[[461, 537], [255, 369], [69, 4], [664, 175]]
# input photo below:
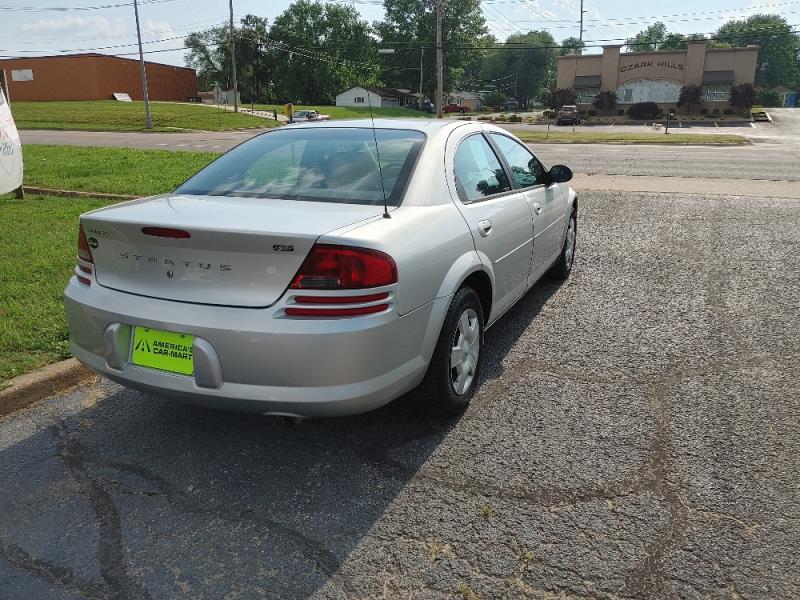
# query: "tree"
[[778, 60], [690, 95], [768, 97], [320, 50], [649, 39], [560, 97], [743, 96], [605, 100], [409, 25], [209, 54], [494, 99], [525, 65], [570, 45]]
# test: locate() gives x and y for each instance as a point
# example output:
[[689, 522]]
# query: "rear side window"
[[525, 167], [315, 164], [478, 171]]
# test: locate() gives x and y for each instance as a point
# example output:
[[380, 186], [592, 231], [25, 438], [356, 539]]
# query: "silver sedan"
[[324, 269]]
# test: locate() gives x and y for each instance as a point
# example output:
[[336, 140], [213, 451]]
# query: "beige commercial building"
[[658, 76]]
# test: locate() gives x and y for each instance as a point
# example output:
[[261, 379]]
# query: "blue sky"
[[30, 28]]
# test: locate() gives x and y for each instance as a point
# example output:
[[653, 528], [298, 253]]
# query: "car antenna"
[[386, 214]]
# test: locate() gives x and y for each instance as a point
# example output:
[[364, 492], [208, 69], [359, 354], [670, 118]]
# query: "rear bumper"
[[252, 360]]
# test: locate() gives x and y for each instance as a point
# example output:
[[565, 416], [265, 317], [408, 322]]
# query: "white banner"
[[10, 150]]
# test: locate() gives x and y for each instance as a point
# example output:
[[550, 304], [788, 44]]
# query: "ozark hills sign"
[[651, 64]]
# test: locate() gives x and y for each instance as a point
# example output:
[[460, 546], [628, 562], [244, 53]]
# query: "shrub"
[[690, 95], [770, 98], [703, 111], [727, 111], [644, 110], [743, 96], [560, 97], [494, 98], [620, 112], [592, 113], [715, 111], [605, 100]]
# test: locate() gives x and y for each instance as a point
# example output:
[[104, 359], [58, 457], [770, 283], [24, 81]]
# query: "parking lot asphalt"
[[635, 435]]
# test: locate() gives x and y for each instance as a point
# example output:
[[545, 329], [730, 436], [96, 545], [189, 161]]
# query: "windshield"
[[324, 165]]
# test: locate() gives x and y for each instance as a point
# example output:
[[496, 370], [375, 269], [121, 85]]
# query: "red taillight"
[[340, 299], [84, 252], [336, 312], [330, 267], [166, 232]]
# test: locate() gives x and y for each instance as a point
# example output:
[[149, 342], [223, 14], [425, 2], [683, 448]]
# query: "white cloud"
[[157, 30], [70, 25]]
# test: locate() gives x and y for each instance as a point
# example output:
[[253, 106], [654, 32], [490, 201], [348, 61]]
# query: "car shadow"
[[132, 496]]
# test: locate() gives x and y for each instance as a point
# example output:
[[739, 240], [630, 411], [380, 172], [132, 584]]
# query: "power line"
[[75, 8]]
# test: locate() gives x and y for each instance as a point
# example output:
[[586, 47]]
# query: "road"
[[635, 435], [768, 159]]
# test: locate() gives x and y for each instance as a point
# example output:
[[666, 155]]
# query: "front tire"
[[450, 381], [563, 266]]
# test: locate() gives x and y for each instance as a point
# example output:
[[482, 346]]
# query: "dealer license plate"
[[163, 350]]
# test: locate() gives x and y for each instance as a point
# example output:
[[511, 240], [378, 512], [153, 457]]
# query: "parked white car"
[[303, 116], [322, 269]]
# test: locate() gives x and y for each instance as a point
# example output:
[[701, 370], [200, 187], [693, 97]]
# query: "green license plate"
[[163, 350]]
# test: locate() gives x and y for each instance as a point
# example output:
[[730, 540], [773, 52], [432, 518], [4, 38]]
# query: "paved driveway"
[[636, 434]]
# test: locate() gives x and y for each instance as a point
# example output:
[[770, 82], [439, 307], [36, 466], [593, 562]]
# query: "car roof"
[[429, 126]]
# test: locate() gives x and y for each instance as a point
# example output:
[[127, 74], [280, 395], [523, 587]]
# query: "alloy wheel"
[[464, 352], [569, 251]]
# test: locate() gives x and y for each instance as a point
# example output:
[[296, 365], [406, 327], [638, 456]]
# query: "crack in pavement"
[[63, 577], [110, 551]]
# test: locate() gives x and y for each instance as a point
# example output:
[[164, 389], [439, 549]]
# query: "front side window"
[[314, 164], [478, 171], [525, 167], [716, 92], [359, 99]]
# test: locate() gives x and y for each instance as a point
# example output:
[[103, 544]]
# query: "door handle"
[[485, 227], [537, 207]]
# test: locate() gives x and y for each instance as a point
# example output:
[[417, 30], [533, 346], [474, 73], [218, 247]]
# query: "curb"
[[47, 381], [75, 194]]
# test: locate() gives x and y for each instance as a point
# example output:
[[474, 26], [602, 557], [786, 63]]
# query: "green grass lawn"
[[110, 115], [110, 170], [352, 112], [38, 244], [582, 137]]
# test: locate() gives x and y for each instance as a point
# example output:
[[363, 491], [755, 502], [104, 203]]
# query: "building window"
[[649, 90], [586, 95], [358, 100], [716, 92]]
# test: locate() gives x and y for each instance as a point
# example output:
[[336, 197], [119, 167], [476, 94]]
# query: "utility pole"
[[580, 33], [421, 56], [148, 118], [233, 64], [439, 65]]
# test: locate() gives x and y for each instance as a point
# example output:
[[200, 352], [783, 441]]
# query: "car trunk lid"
[[237, 251]]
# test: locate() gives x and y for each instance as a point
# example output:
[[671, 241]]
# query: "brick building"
[[658, 76], [94, 77]]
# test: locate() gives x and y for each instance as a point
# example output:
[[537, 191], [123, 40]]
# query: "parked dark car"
[[568, 115]]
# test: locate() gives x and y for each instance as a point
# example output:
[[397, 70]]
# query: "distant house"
[[472, 100], [376, 96]]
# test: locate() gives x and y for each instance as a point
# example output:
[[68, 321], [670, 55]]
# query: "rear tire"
[[563, 266], [452, 375]]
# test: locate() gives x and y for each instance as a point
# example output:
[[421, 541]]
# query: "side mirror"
[[560, 174]]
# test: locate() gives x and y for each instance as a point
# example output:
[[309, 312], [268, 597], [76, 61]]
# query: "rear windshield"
[[317, 164]]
